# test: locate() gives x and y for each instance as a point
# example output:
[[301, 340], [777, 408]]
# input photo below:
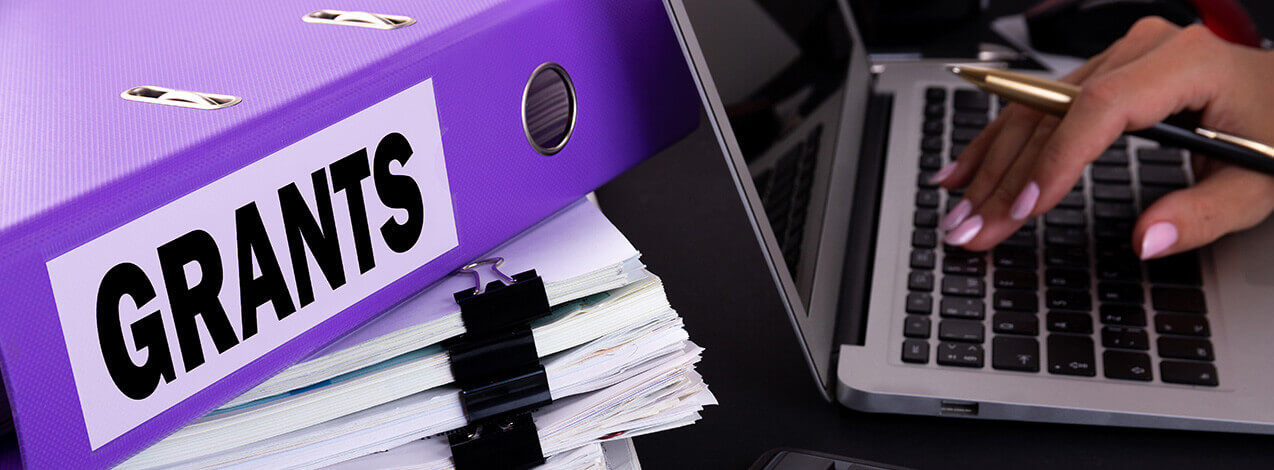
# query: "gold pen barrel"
[[1042, 94]]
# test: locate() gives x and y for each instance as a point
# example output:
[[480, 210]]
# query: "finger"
[[1010, 202], [1177, 75], [1229, 200], [961, 171], [996, 161]]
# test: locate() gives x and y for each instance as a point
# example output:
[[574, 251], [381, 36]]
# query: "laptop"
[[831, 156]]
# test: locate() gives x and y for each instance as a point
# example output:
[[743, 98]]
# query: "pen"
[[1055, 97]]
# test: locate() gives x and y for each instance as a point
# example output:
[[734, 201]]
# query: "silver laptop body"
[[792, 97]]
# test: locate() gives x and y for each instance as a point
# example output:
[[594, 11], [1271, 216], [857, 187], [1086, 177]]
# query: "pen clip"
[[1264, 149]]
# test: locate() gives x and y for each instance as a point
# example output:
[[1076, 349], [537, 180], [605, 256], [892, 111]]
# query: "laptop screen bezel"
[[815, 323]]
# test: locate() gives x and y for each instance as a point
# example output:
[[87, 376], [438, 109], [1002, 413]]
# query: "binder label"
[[168, 304]]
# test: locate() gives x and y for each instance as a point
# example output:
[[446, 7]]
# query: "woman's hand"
[[1025, 162]]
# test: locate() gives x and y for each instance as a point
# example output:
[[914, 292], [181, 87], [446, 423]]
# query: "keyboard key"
[[1066, 256], [1178, 299], [1113, 157], [1024, 238], [1066, 322], [1120, 292], [971, 100], [930, 161], [916, 327], [931, 144], [1112, 193], [1062, 299], [1015, 323], [1120, 142], [922, 259], [975, 120], [1150, 194], [1182, 324], [928, 198], [922, 180], [933, 127], [1016, 301], [915, 351], [924, 238], [1185, 348], [1072, 200], [1071, 355], [935, 110], [960, 330], [964, 135], [1119, 270], [1013, 257], [960, 354], [920, 281], [919, 302], [1066, 278], [1010, 353], [1123, 315], [1010, 279], [1113, 228], [925, 218], [1110, 174], [963, 285], [1114, 210], [935, 94], [970, 264], [1162, 156], [1065, 218], [1126, 365], [1065, 236], [1124, 338], [1181, 268], [1189, 373], [956, 149], [962, 307], [1159, 175]]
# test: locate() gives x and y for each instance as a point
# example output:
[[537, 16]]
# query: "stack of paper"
[[616, 356]]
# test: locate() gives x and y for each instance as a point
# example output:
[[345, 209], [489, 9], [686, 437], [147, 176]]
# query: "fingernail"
[[1025, 202], [1159, 237], [943, 173], [965, 232], [957, 215]]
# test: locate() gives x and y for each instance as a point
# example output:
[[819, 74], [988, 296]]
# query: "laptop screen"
[[780, 68]]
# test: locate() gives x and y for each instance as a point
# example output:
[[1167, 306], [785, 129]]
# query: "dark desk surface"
[[681, 211]]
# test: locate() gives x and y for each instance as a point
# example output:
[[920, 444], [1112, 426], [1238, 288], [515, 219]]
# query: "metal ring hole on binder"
[[548, 108], [182, 98], [361, 19]]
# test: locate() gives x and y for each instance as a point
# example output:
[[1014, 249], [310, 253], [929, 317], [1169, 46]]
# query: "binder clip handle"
[[472, 268]]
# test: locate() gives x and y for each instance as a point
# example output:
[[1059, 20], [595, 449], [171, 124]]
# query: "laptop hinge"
[[860, 252]]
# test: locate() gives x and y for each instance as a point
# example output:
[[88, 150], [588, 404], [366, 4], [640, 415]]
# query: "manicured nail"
[[1159, 237], [1025, 202], [943, 173], [965, 232], [957, 215]]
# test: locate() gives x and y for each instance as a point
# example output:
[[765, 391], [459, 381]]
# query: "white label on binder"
[[160, 308]]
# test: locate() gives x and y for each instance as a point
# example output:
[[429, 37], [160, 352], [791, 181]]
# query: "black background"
[[680, 210]]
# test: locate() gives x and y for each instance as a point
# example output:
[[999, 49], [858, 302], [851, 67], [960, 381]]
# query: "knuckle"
[[1100, 92], [1149, 27], [1002, 196]]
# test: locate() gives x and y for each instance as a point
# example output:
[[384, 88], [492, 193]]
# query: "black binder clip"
[[498, 369]]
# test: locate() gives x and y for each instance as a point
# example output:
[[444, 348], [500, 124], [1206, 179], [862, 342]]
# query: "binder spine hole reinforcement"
[[361, 19], [182, 98], [548, 108]]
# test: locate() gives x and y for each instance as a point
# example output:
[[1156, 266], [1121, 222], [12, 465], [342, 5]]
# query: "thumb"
[[1228, 200]]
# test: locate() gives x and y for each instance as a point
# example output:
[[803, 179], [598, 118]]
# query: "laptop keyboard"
[[1066, 295]]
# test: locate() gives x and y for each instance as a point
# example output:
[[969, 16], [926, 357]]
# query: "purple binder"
[[158, 260]]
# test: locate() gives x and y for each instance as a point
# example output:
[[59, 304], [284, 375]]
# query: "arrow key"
[[1126, 365]]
